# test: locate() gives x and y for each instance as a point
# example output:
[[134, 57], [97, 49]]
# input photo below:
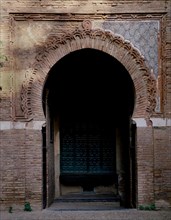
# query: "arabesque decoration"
[[85, 37]]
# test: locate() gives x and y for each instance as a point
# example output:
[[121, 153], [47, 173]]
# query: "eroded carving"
[[87, 25], [76, 40]]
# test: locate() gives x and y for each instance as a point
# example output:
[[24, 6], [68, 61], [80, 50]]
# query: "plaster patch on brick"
[[140, 122], [156, 122], [5, 125], [159, 122], [35, 125]]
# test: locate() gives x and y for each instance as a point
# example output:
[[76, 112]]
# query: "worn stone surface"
[[88, 215]]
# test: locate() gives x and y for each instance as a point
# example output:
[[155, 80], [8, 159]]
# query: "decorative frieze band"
[[81, 17]]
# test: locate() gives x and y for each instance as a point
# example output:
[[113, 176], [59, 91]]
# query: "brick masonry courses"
[[26, 28]]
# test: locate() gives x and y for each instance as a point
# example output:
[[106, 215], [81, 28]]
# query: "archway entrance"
[[89, 99]]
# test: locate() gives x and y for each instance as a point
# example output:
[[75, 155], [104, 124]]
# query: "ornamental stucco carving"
[[85, 37]]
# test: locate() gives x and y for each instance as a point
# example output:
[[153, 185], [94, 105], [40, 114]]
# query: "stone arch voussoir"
[[115, 45]]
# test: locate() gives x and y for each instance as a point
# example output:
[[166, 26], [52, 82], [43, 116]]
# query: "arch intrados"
[[101, 68]]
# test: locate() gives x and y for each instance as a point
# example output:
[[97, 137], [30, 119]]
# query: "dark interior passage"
[[91, 94], [89, 84]]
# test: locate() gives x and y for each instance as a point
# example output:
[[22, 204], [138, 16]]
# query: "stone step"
[[88, 197], [84, 206]]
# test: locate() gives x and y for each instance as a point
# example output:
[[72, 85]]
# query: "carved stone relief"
[[103, 40], [79, 33]]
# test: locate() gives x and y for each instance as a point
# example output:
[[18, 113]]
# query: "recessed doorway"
[[89, 100]]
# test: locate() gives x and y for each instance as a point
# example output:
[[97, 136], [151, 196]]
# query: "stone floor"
[[85, 211], [47, 214]]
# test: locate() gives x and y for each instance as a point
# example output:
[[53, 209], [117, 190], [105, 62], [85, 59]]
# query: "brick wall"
[[162, 162], [21, 168], [145, 165], [21, 144]]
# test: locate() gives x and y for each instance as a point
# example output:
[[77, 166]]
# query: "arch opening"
[[90, 98], [95, 75]]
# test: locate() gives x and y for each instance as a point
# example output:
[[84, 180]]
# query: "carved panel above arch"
[[77, 33], [55, 48]]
